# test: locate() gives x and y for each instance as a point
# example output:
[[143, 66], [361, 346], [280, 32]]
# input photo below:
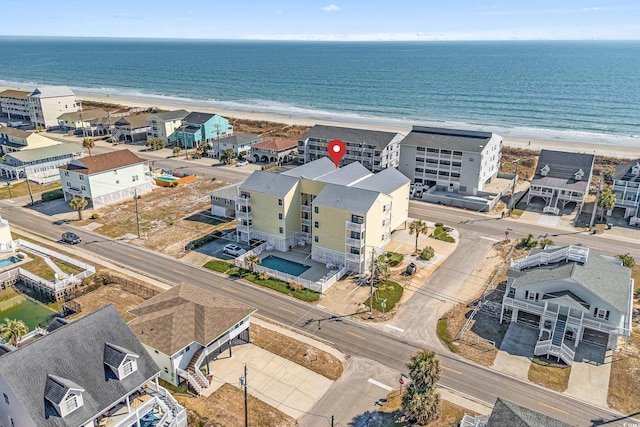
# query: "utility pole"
[[9, 188], [135, 199], [84, 131], [28, 183], [373, 254], [331, 420], [595, 204], [513, 189], [246, 408]]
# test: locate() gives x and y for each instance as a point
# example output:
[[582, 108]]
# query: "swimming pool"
[[9, 261], [284, 265], [166, 178]]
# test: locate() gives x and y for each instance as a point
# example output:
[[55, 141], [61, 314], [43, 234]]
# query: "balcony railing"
[[305, 208], [243, 200], [531, 308], [354, 258], [243, 214], [244, 228], [304, 221], [356, 243], [353, 226]]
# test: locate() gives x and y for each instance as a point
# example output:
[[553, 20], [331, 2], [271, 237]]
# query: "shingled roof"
[[276, 144], [176, 318], [507, 413], [103, 162], [562, 168], [379, 139]]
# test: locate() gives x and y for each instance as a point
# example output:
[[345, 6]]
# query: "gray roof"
[[601, 275], [6, 348], [379, 139], [87, 115], [114, 355], [562, 169], [52, 92], [198, 118], [312, 170], [346, 175], [507, 413], [56, 388], [75, 353], [172, 115], [625, 171], [240, 139], [229, 192], [448, 139], [346, 198], [35, 154], [386, 181], [269, 183], [56, 323]]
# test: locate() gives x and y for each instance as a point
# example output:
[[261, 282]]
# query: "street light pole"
[[24, 169], [135, 199], [373, 254]]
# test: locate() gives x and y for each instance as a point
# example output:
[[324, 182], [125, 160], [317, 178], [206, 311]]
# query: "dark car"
[[411, 268], [71, 238]]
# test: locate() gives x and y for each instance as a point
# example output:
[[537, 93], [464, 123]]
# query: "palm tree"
[[418, 227], [155, 144], [606, 201], [88, 143], [251, 261], [381, 268], [176, 151], [421, 402], [12, 330], [78, 204], [227, 156]]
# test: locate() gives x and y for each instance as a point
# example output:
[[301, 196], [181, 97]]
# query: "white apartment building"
[[375, 150], [106, 178], [452, 160], [162, 125], [14, 104], [48, 103], [13, 139]]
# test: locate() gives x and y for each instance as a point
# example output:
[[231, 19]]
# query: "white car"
[[242, 163], [233, 250]]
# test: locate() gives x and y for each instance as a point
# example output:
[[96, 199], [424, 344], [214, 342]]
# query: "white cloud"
[[594, 9], [331, 8]]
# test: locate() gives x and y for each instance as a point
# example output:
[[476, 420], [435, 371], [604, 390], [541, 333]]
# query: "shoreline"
[[621, 151]]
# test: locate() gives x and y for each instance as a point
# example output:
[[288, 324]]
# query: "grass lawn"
[[276, 285], [549, 374], [624, 382], [66, 267], [218, 265], [445, 336], [635, 275], [441, 233], [8, 293], [394, 258], [21, 189], [391, 410], [299, 352], [38, 267], [389, 291]]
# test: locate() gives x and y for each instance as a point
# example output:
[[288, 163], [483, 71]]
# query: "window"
[[68, 184], [315, 209], [166, 370], [71, 402], [12, 423], [316, 239], [127, 367], [280, 215], [601, 313], [281, 230], [471, 159], [279, 202], [117, 181], [66, 173], [531, 296], [134, 178], [81, 177], [6, 398], [83, 188], [115, 172], [316, 224]]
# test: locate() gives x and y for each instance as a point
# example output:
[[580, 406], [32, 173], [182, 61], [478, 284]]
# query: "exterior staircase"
[[558, 330], [191, 369], [570, 253]]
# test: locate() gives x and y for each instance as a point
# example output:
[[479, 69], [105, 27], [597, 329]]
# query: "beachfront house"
[[571, 295], [240, 143], [344, 214], [186, 327], [132, 128], [375, 150], [626, 187], [48, 103], [12, 140], [451, 160], [39, 164], [14, 104], [80, 122], [163, 125], [106, 178], [198, 128], [91, 372], [561, 177], [223, 201], [278, 151]]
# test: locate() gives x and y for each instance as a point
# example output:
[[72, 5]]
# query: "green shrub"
[[627, 260], [427, 253], [269, 166], [205, 239], [394, 258], [218, 265], [94, 216], [528, 242], [56, 194], [546, 242], [386, 290], [444, 335], [442, 233], [284, 287]]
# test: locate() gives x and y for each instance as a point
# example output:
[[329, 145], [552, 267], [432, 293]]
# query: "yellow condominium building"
[[343, 215]]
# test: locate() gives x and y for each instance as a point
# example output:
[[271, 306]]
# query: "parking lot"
[[216, 247]]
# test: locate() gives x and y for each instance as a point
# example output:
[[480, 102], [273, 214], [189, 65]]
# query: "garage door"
[[528, 319], [595, 337], [219, 211]]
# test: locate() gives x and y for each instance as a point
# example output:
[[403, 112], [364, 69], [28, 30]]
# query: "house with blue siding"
[[198, 128]]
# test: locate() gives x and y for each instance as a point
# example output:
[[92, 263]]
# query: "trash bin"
[[609, 226]]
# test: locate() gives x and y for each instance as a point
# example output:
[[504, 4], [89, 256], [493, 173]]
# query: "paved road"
[[348, 336]]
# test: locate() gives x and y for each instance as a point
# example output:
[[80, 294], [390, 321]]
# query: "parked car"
[[71, 238], [411, 269], [233, 250], [242, 163]]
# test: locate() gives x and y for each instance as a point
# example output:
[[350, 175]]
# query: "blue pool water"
[[284, 265], [9, 261], [166, 178]]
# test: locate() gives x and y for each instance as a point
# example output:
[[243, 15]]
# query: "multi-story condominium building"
[[197, 128], [561, 177], [186, 327], [240, 143], [48, 103], [571, 294], [274, 151], [14, 104], [375, 150], [132, 128], [163, 125], [451, 160], [81, 122], [12, 140], [106, 178], [345, 214], [91, 372], [626, 187], [39, 164]]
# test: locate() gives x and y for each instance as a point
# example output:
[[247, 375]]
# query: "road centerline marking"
[[179, 272], [554, 408], [451, 370], [356, 335], [379, 384], [228, 289], [286, 309]]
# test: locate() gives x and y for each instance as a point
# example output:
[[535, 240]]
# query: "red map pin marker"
[[336, 149]]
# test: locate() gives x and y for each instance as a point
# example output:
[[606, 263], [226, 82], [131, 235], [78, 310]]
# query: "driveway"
[[516, 351], [216, 247], [590, 372]]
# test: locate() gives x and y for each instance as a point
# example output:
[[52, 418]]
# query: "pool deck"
[[301, 255]]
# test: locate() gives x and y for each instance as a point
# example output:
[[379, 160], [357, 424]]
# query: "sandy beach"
[[529, 143]]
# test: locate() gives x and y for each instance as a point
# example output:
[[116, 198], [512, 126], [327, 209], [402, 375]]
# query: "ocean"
[[567, 90]]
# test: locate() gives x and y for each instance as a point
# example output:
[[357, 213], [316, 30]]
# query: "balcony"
[[305, 208], [244, 214], [241, 228], [243, 200], [352, 226], [304, 221], [357, 258], [356, 243]]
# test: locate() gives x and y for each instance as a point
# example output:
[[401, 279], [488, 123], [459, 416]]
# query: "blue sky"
[[326, 20]]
